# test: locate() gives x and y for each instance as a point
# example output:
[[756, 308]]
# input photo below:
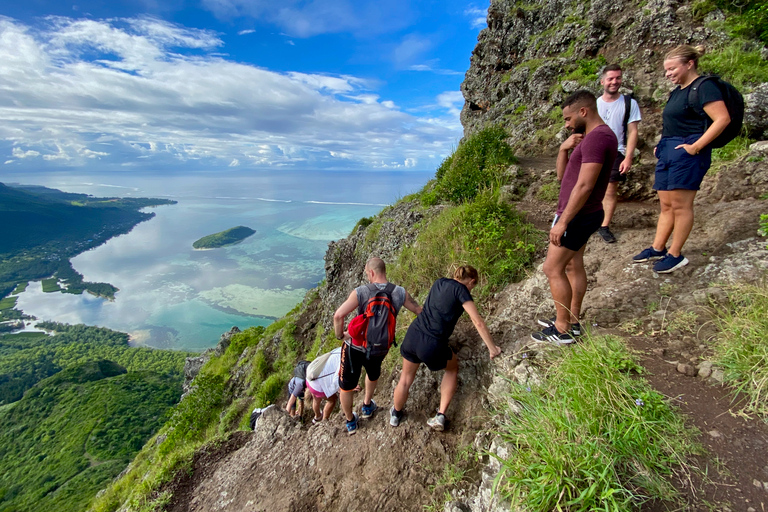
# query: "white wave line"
[[353, 204]]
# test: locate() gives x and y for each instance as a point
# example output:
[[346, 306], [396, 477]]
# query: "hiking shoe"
[[549, 322], [395, 416], [352, 425], [437, 423], [315, 421], [649, 254], [368, 410], [605, 232], [669, 264], [552, 335]]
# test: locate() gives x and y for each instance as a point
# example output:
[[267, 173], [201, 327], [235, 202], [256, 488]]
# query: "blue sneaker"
[[352, 425], [649, 254], [669, 264], [368, 410]]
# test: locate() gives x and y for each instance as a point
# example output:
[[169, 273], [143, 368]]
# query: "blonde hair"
[[465, 272], [686, 53]]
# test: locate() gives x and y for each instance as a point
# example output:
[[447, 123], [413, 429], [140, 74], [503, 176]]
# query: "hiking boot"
[[549, 322], [368, 410], [352, 425], [395, 416], [437, 423], [552, 335], [669, 264], [315, 421], [605, 232], [649, 254]]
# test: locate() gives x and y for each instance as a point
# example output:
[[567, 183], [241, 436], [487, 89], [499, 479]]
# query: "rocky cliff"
[[529, 57]]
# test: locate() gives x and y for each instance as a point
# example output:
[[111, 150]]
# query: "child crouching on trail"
[[427, 341]]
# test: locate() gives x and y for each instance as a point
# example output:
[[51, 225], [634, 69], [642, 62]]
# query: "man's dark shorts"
[[579, 230], [676, 169], [419, 348], [352, 363], [616, 176]]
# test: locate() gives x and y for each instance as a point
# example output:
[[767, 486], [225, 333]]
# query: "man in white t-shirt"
[[612, 108]]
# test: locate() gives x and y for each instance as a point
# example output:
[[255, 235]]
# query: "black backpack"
[[734, 102], [300, 371]]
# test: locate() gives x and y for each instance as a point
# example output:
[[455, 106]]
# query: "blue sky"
[[207, 84]]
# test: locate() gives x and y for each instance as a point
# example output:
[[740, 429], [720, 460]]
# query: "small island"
[[227, 237]]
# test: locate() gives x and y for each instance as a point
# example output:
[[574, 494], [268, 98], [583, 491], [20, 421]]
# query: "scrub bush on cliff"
[[478, 163]]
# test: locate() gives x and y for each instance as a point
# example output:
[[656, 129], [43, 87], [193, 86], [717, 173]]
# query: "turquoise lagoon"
[[172, 296]]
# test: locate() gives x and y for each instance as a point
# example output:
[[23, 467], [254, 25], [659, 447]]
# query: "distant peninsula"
[[227, 237]]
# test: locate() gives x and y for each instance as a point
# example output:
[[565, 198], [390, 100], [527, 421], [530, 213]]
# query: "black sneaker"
[[605, 232], [552, 335], [549, 322]]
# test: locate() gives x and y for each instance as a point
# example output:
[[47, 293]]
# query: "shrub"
[[739, 66], [478, 163]]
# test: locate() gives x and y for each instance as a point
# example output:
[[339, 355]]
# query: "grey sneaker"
[[438, 422], [395, 416], [605, 232]]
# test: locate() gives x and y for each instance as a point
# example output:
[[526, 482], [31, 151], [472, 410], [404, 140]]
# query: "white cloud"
[[306, 18], [431, 66], [478, 18], [411, 48], [245, 32], [143, 92], [234, 163]]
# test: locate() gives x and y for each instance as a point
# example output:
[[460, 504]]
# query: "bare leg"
[[407, 375], [449, 383], [370, 387], [346, 403], [682, 209], [554, 267], [316, 407], [666, 221], [577, 276], [609, 202], [329, 405]]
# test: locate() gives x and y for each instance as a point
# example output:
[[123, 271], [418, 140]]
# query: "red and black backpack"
[[373, 329]]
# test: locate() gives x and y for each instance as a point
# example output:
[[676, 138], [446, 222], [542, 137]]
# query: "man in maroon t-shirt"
[[584, 178]]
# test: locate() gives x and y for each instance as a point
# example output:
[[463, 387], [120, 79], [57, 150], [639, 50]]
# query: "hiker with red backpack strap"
[[703, 112], [377, 304], [427, 341]]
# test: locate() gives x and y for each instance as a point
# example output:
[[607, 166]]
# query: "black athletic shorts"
[[580, 229], [352, 363], [616, 176], [418, 347]]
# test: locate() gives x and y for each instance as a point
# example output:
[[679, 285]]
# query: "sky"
[[180, 85]]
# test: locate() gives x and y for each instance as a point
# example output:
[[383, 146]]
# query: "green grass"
[[740, 67], [742, 348], [485, 233], [549, 191], [593, 436], [763, 231], [20, 288], [51, 285], [8, 303], [737, 148]]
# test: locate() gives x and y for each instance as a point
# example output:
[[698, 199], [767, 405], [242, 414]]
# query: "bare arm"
[[291, 403], [562, 155], [346, 308], [482, 329], [631, 145], [587, 178], [411, 305], [718, 113]]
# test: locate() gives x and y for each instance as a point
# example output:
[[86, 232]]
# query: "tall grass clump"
[[485, 233], [742, 348], [478, 163], [593, 436]]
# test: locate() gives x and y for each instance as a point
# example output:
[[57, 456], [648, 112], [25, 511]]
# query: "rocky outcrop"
[[193, 364]]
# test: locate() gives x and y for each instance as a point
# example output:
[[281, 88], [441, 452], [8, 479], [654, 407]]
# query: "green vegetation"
[[746, 19], [741, 67], [27, 358], [20, 288], [209, 413], [222, 239], [362, 223], [73, 433], [742, 348], [549, 191], [51, 285], [585, 71], [763, 224], [485, 233], [592, 436], [738, 147], [40, 228], [8, 303], [478, 163]]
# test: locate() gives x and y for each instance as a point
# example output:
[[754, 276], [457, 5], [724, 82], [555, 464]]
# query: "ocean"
[[172, 296]]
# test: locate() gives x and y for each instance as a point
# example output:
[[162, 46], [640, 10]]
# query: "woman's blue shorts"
[[676, 169]]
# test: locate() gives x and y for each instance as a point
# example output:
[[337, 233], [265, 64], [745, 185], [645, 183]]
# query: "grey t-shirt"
[[364, 294], [296, 387]]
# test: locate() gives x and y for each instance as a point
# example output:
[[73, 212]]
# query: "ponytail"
[[686, 53], [465, 272]]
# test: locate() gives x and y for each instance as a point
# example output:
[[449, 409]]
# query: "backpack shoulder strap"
[[389, 289], [693, 93], [627, 108]]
